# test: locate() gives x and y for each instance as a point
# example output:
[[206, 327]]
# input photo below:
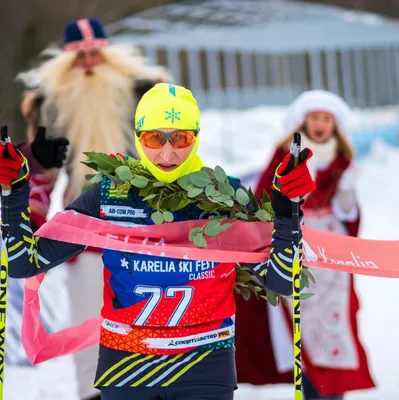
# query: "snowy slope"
[[251, 136]]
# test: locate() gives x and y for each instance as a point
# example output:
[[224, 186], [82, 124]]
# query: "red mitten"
[[11, 163], [294, 181]]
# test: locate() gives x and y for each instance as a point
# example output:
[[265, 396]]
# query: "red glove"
[[294, 181], [13, 166]]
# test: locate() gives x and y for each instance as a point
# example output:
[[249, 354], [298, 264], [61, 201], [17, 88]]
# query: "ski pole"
[[296, 280], [5, 197]]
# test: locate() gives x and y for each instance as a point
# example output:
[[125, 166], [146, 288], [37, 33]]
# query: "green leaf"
[[132, 162], [242, 196], [113, 178], [210, 190], [212, 228], [194, 191], [305, 296], [110, 175], [150, 197], [241, 216], [94, 178], [139, 181], [208, 170], [104, 161], [246, 293], [306, 271], [97, 178], [89, 177], [157, 217], [199, 241], [224, 227], [257, 289], [105, 171], [183, 203], [159, 184], [184, 182], [229, 203], [219, 217], [200, 179], [90, 164], [265, 197], [304, 282], [194, 232], [208, 206], [243, 276], [220, 175], [221, 198], [271, 297], [168, 216], [254, 202], [147, 190], [124, 173], [85, 188], [171, 201], [268, 208], [243, 267], [263, 215], [226, 189], [120, 158]]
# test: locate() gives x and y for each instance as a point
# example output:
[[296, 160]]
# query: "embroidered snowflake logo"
[[125, 263], [172, 115]]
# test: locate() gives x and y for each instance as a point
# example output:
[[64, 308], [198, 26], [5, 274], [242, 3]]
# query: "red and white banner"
[[350, 254], [243, 242]]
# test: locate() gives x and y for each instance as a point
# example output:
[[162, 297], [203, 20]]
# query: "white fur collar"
[[324, 153]]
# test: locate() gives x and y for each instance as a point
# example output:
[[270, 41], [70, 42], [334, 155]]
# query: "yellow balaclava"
[[168, 106]]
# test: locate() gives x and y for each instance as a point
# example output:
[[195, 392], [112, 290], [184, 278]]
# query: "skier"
[[146, 347], [86, 92], [335, 361]]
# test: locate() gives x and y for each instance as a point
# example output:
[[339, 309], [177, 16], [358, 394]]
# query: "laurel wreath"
[[211, 191]]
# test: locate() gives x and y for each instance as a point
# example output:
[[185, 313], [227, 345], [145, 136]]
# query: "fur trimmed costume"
[[95, 111], [334, 359]]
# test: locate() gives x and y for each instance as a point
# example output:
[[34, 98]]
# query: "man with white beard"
[[87, 92]]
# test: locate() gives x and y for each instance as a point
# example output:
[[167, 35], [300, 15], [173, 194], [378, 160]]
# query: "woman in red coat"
[[334, 359]]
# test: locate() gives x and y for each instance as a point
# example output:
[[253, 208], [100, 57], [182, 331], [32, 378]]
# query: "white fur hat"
[[318, 100]]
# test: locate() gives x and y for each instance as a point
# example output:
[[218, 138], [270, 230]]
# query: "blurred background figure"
[[86, 92], [334, 358]]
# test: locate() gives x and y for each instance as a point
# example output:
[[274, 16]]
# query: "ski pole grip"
[[6, 189], [296, 147], [295, 150]]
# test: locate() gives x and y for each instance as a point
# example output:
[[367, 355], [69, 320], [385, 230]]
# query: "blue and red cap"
[[85, 34]]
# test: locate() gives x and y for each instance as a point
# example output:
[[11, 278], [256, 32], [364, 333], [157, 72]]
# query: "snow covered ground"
[[250, 136]]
